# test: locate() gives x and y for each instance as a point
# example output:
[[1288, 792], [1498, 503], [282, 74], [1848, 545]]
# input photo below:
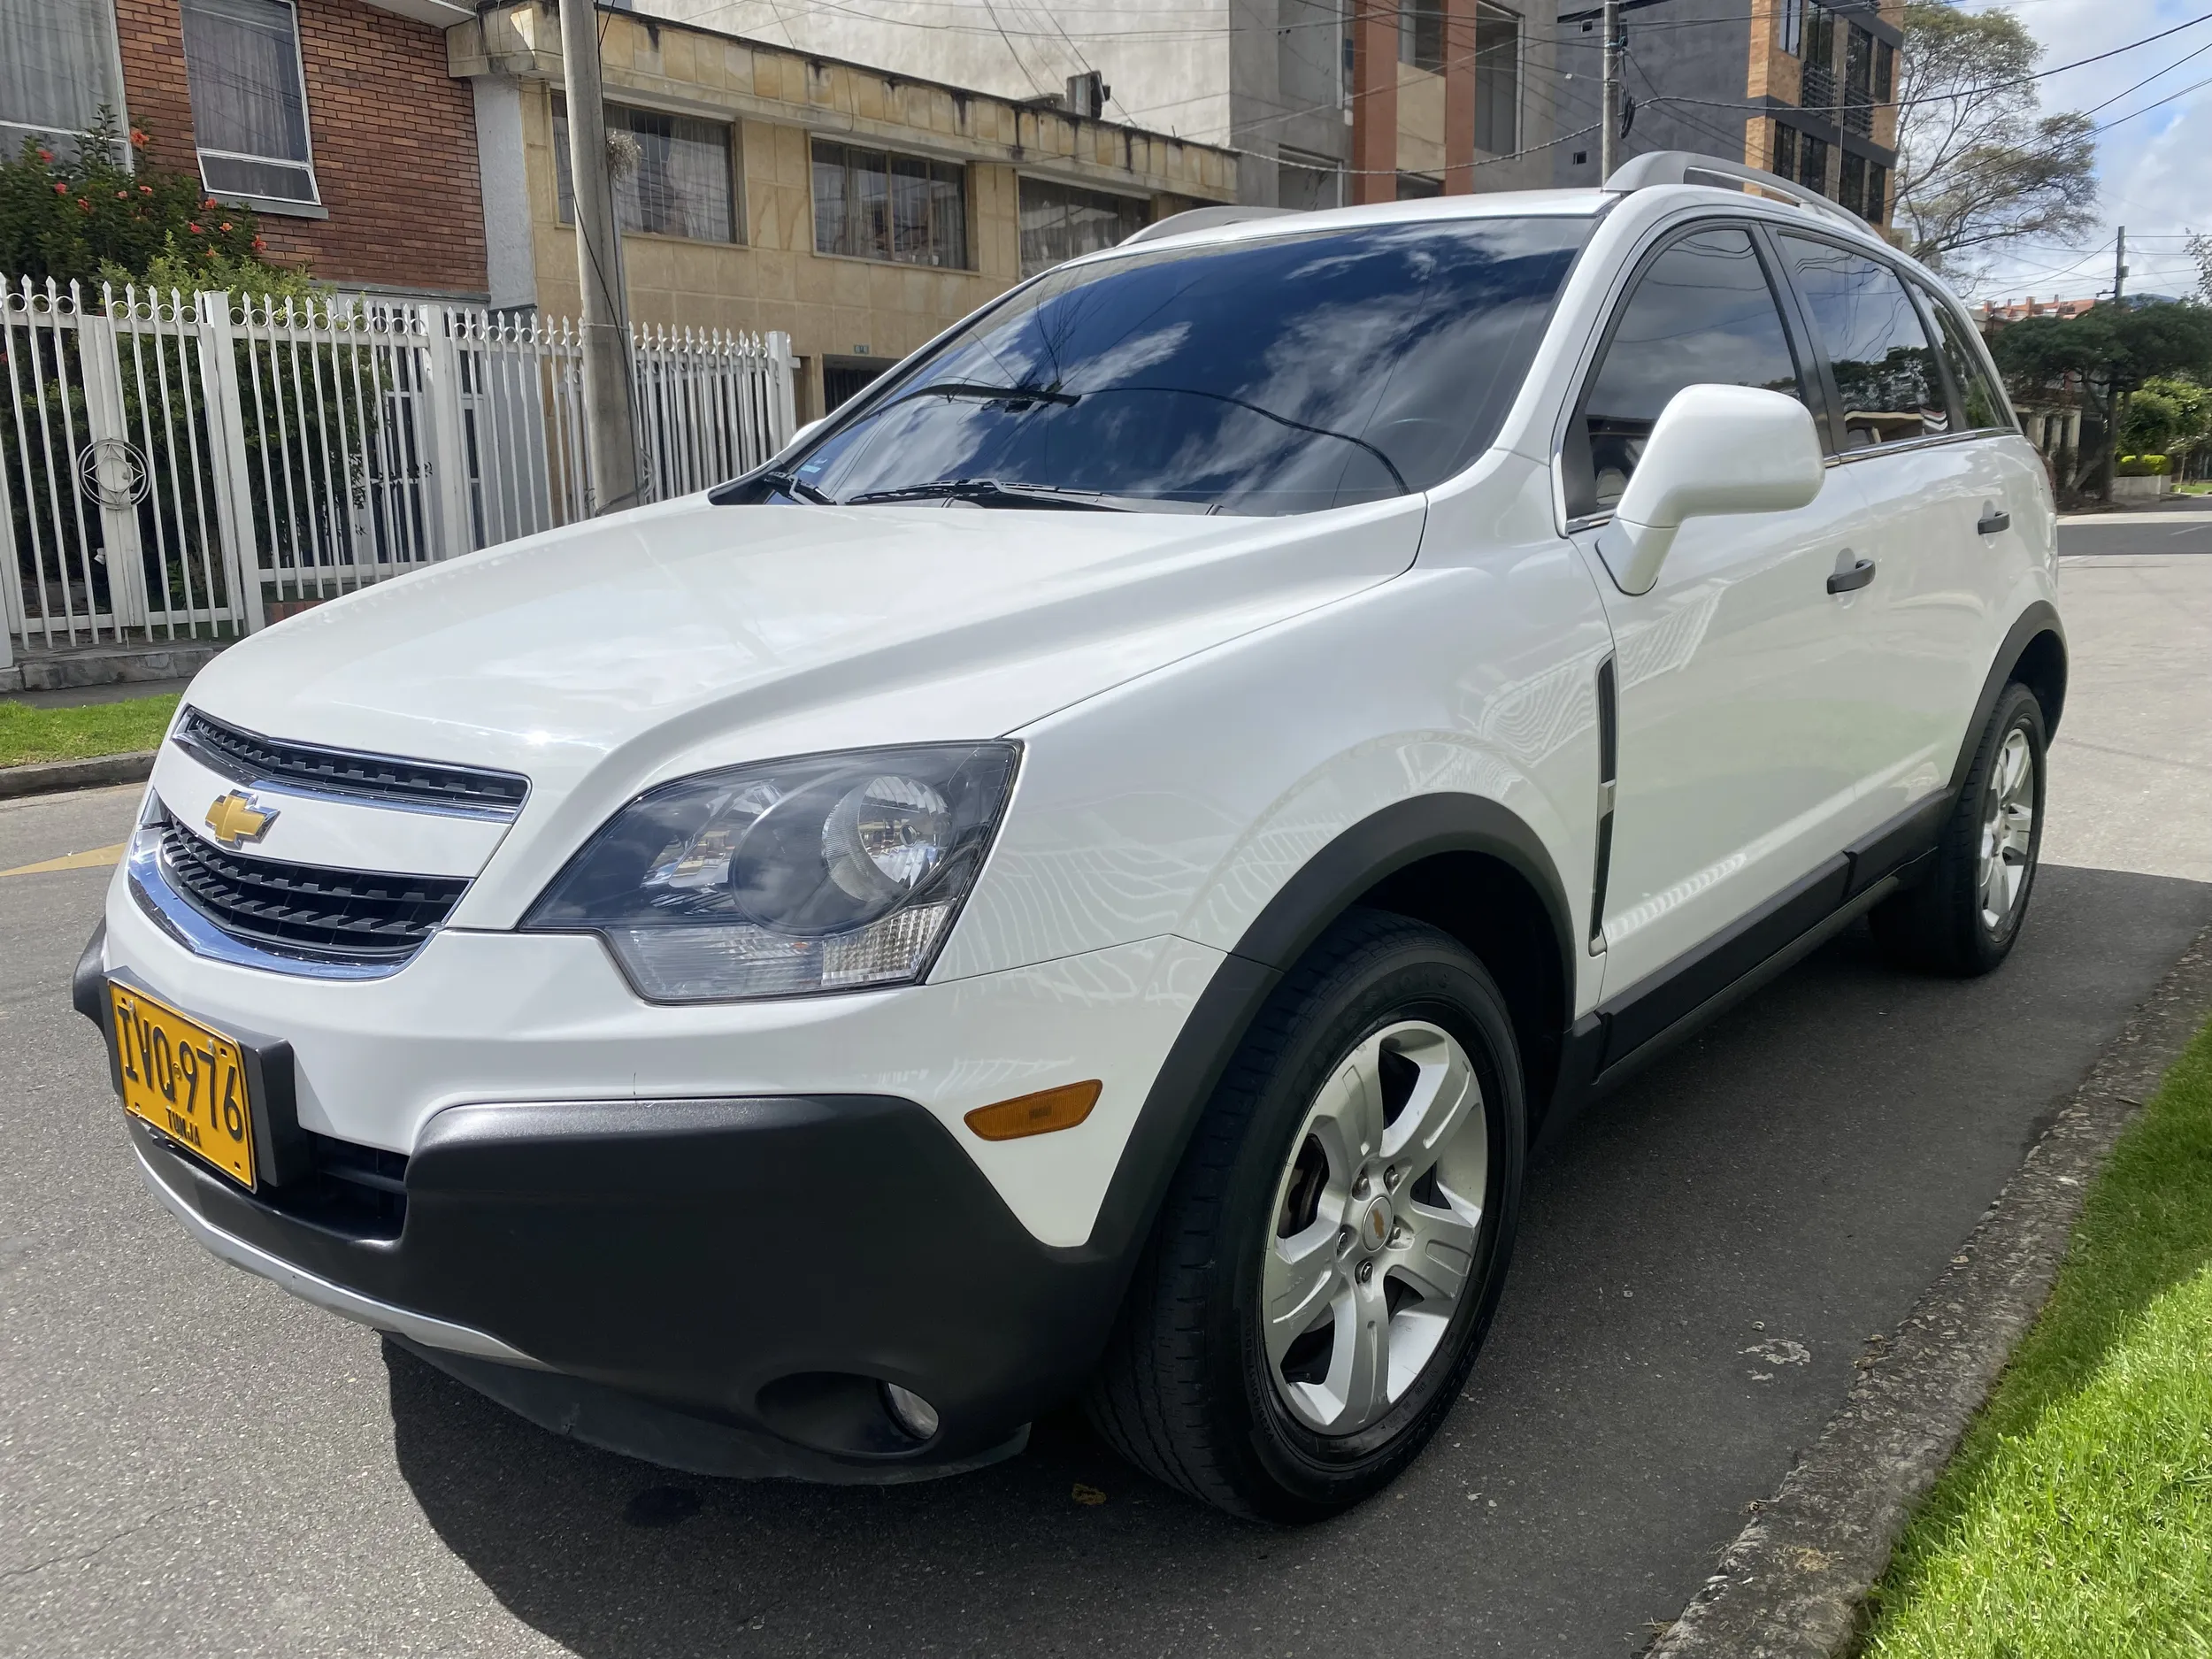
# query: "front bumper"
[[709, 1235], [751, 1270]]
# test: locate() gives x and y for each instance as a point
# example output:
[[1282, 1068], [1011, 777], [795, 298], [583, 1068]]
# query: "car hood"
[[667, 640]]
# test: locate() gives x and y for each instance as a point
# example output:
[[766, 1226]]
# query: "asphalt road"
[[191, 1463], [2177, 524]]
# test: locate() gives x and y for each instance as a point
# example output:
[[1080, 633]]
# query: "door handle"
[[1993, 520], [1851, 577]]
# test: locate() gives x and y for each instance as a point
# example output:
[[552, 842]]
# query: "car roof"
[[1654, 200]]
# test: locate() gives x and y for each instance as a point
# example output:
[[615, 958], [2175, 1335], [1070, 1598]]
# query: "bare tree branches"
[[1979, 166]]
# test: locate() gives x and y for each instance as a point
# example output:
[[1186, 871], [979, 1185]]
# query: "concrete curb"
[[57, 776], [1794, 1584]]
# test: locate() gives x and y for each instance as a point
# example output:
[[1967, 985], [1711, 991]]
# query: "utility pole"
[[1609, 135], [610, 433], [2115, 401]]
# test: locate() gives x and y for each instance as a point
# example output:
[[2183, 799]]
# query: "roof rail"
[[1676, 166], [1203, 218]]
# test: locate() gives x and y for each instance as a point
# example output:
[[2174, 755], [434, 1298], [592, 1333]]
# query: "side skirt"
[[1625, 1032]]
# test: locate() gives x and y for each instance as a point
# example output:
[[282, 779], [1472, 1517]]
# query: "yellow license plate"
[[186, 1080]]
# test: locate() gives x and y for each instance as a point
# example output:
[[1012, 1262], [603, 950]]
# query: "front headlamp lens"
[[827, 873]]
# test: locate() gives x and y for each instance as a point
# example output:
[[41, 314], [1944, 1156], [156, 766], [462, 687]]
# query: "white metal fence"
[[192, 465]]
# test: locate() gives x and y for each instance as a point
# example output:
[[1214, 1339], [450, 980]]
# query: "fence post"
[[115, 480], [227, 449], [448, 444], [783, 408]]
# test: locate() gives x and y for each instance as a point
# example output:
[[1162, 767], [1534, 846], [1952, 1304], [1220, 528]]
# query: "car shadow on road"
[[611, 1556], [1701, 1260]]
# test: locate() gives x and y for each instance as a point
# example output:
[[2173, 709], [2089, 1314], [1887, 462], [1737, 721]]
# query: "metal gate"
[[191, 467]]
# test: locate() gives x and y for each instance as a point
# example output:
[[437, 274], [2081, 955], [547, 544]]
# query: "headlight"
[[829, 873]]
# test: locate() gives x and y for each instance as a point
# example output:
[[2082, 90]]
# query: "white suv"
[[1089, 876]]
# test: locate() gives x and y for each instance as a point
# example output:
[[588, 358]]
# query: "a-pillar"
[[1459, 97], [1374, 100]]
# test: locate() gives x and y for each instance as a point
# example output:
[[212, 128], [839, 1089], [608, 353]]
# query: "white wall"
[[1166, 60]]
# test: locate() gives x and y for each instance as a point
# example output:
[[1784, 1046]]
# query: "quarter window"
[[1060, 222], [1981, 405], [1878, 347], [872, 205], [682, 186], [241, 60], [1703, 313]]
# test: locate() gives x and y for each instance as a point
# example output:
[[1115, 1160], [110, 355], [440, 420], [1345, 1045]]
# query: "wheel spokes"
[[1358, 1383], [1402, 1112], [1299, 1281], [1348, 1116], [1438, 1253], [1444, 1091]]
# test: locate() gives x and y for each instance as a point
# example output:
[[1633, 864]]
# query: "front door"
[[1739, 753]]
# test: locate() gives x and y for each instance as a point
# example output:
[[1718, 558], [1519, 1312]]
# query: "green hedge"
[[2140, 466]]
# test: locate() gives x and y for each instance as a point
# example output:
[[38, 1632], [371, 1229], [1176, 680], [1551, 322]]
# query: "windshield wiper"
[[1014, 396], [988, 492]]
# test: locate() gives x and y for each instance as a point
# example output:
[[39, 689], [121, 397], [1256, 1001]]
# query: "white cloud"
[[2151, 170]]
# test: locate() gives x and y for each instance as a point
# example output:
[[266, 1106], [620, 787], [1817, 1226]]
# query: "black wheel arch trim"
[[2037, 619], [1361, 856]]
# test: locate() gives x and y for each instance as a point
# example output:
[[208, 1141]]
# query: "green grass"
[[29, 734], [2193, 489], [2076, 1518]]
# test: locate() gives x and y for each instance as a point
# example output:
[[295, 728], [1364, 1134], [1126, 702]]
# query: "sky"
[[2155, 171]]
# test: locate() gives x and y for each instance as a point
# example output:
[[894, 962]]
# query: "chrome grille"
[[386, 779], [306, 910]]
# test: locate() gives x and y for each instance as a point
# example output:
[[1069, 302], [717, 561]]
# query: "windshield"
[[1281, 375]]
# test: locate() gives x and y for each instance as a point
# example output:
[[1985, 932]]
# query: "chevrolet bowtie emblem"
[[236, 819]]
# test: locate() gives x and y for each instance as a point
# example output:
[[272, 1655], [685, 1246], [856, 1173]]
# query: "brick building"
[[419, 148], [335, 120]]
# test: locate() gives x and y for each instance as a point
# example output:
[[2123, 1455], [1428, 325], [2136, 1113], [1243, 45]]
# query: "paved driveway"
[[194, 1464]]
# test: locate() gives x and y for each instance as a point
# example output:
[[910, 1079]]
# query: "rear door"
[[1734, 756], [1925, 635]]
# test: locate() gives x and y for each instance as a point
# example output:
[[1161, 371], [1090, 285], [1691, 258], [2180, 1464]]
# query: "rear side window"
[[1980, 404], [1877, 344], [1700, 313]]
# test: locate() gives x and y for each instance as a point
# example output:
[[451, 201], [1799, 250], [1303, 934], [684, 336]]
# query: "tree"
[[64, 218], [2167, 415], [2109, 351], [1978, 166]]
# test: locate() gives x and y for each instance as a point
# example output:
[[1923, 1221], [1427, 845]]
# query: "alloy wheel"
[[2007, 838], [1377, 1217]]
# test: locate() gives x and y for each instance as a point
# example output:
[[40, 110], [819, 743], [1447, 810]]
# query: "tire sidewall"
[[2018, 710], [1420, 980]]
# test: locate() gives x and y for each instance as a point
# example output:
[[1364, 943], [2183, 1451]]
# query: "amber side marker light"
[[1038, 1114]]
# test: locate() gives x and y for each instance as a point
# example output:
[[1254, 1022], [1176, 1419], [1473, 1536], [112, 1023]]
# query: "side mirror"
[[1714, 449]]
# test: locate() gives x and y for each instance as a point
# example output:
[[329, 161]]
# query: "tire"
[[1276, 1420], [1955, 921]]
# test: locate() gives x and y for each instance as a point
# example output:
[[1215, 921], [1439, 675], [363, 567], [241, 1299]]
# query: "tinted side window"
[[1983, 407], [1701, 312], [1877, 345]]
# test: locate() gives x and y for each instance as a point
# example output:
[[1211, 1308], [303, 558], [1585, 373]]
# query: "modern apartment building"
[[1802, 89]]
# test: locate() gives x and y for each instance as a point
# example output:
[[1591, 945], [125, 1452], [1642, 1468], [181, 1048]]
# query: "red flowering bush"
[[76, 218]]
